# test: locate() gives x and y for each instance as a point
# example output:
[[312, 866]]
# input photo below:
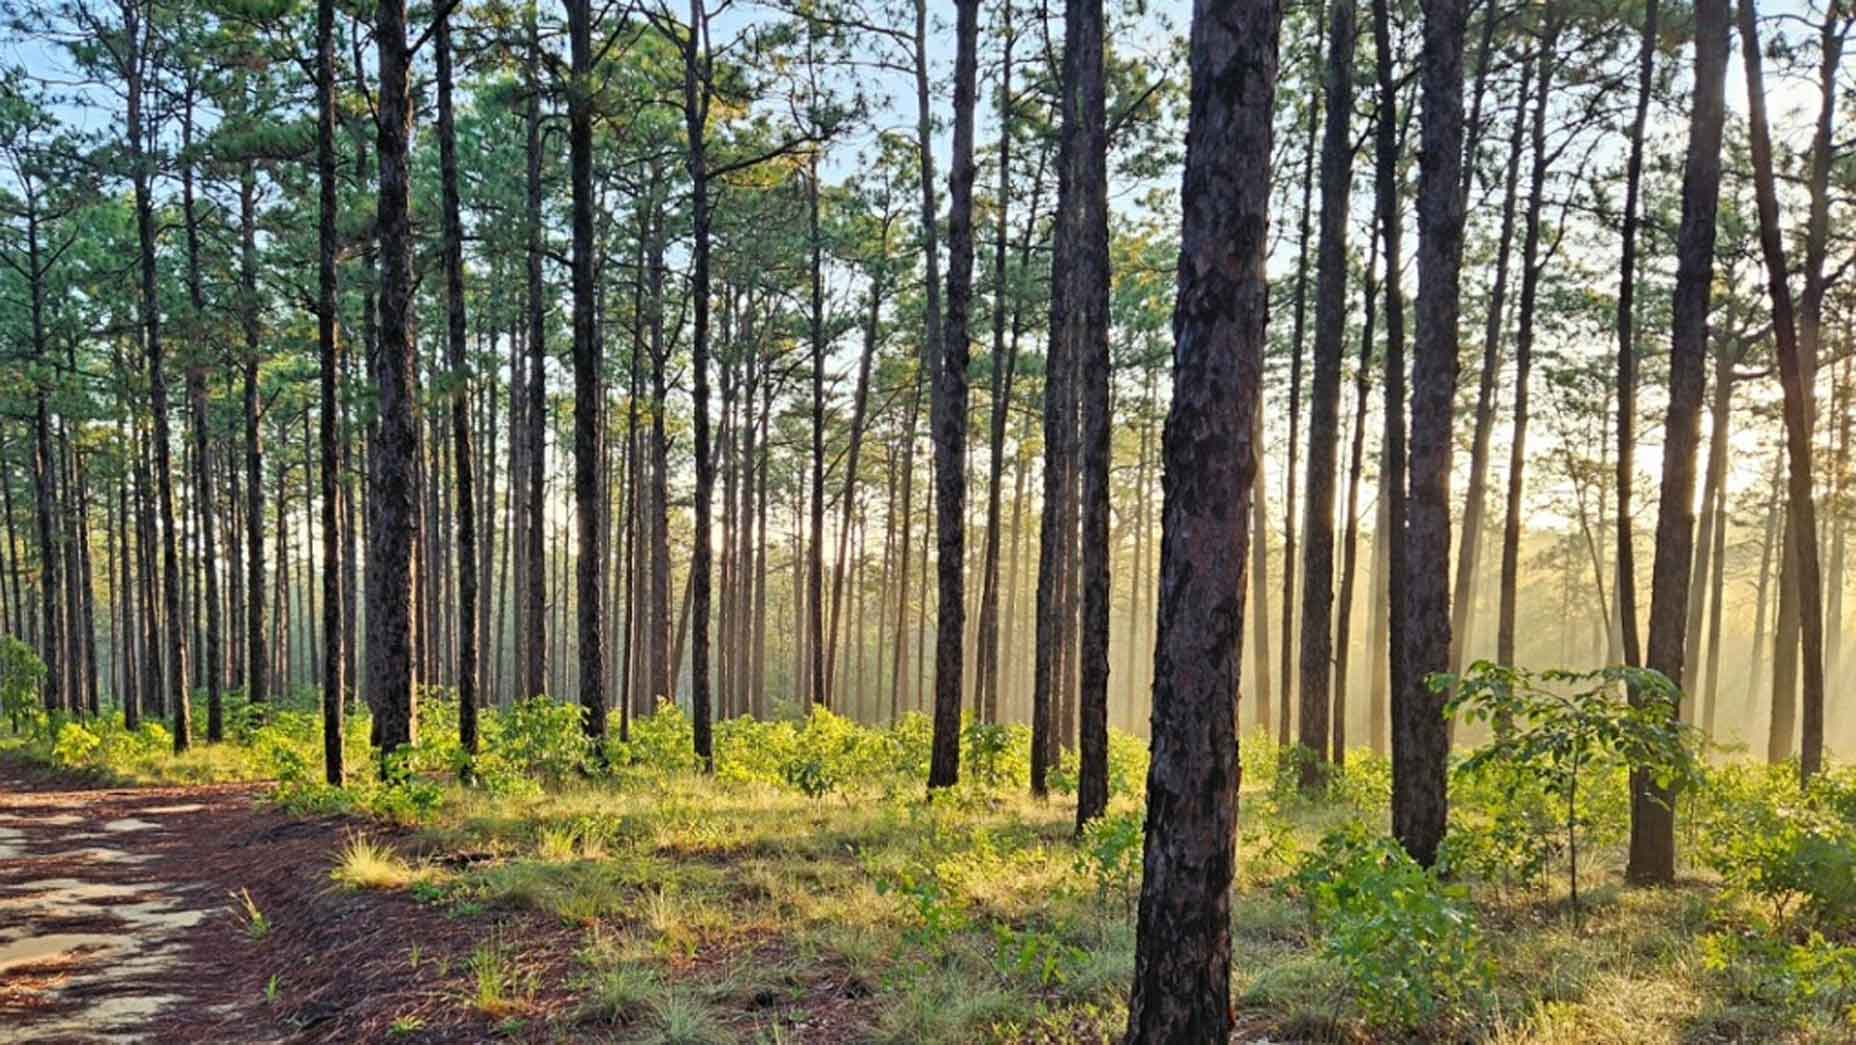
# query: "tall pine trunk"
[[1182, 961], [1652, 835]]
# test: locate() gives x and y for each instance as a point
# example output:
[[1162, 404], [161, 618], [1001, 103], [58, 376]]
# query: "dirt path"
[[123, 918], [103, 911]]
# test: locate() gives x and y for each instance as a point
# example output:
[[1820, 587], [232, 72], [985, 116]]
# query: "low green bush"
[[1408, 943]]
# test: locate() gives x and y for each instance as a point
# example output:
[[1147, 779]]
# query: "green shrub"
[[663, 740], [1793, 851], [1569, 729], [539, 737], [21, 675], [1109, 855], [1408, 944], [1504, 826], [75, 745], [1799, 977]]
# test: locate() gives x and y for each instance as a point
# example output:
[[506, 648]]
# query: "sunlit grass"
[[734, 908], [364, 863]]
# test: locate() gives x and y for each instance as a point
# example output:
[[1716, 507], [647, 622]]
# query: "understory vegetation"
[[809, 884]]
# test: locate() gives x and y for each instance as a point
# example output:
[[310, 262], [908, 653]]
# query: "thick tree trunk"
[[1420, 739], [1182, 963], [589, 391], [391, 483]]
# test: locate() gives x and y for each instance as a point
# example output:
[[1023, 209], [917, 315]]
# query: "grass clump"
[[366, 864]]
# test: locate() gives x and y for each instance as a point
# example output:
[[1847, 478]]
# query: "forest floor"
[[202, 914], [815, 894]]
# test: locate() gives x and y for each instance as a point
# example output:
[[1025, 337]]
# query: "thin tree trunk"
[[1475, 499], [334, 769], [950, 411], [1524, 353], [459, 389], [1652, 842], [1627, 360], [1324, 399]]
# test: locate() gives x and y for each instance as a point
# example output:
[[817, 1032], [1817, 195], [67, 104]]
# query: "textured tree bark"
[[589, 391], [1387, 146], [696, 97], [533, 616], [950, 411], [459, 389], [1324, 400], [1420, 741], [1652, 841], [1085, 99], [1182, 971], [334, 769], [391, 485]]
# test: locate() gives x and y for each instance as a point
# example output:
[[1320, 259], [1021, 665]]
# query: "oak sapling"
[[1566, 727]]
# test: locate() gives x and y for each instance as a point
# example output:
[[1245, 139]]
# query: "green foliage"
[[1504, 826], [1566, 727], [663, 740], [1817, 974], [539, 738], [1790, 849], [1408, 944], [1037, 954], [1363, 783], [936, 915], [984, 748], [21, 675], [1109, 855]]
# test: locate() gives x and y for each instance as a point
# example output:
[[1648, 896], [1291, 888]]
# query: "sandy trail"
[[100, 938]]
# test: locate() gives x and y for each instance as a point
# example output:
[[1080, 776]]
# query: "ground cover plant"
[[809, 889]]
